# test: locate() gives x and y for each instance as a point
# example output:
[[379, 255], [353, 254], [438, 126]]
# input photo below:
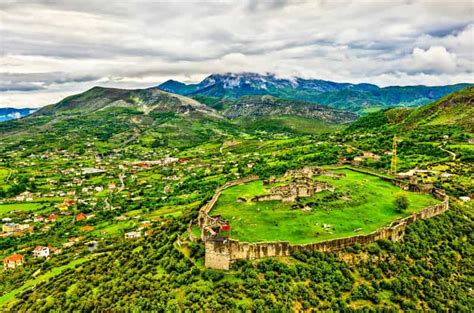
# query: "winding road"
[[450, 152]]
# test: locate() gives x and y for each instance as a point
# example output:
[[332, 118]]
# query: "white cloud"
[[65, 47], [433, 60]]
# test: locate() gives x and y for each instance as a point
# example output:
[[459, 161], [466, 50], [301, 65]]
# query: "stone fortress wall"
[[207, 222], [222, 252]]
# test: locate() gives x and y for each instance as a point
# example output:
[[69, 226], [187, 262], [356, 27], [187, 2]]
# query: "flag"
[[225, 227]]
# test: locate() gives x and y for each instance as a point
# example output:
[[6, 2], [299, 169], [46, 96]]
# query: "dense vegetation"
[[430, 270]]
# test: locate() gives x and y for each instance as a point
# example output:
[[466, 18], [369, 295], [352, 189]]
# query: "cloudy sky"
[[52, 49]]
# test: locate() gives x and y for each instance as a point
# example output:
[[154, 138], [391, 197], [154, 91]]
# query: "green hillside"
[[455, 110], [149, 100], [120, 117]]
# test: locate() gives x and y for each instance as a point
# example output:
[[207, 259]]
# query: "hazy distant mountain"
[[354, 97], [12, 113]]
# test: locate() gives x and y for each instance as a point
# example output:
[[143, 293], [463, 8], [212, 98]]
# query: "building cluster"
[[14, 229], [15, 260], [161, 162], [367, 155]]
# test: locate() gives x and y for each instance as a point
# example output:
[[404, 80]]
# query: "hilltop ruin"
[[221, 251]]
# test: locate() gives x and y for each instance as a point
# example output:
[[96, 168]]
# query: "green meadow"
[[20, 206], [4, 173], [360, 204]]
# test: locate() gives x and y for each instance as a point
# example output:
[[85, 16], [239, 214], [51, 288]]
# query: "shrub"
[[400, 202]]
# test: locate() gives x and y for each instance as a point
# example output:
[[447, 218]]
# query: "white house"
[[41, 251], [133, 235], [38, 218]]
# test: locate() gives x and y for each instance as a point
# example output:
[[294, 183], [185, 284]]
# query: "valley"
[[108, 182]]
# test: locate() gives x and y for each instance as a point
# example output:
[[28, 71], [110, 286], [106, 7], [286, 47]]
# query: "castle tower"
[[218, 254], [393, 164]]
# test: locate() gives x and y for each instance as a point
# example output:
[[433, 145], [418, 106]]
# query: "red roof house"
[[51, 218], [13, 261], [80, 217]]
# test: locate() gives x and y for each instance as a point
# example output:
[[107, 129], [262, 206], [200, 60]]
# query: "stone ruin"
[[222, 251], [298, 188], [305, 172], [301, 184]]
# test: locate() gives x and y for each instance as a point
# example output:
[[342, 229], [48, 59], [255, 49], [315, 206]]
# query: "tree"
[[400, 202]]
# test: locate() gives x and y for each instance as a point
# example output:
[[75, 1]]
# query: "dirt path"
[[122, 186], [450, 152], [9, 175], [107, 204]]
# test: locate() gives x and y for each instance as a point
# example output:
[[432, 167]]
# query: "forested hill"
[[151, 100], [115, 115], [354, 97], [455, 110], [119, 117], [255, 106]]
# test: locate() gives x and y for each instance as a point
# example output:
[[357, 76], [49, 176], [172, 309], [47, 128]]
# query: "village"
[[69, 201]]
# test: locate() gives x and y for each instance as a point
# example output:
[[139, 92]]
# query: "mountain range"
[[358, 98], [154, 100], [120, 116]]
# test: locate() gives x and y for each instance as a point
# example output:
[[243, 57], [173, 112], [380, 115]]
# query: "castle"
[[221, 252]]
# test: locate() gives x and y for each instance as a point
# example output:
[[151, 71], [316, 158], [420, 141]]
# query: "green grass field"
[[112, 229], [22, 206], [368, 205], [296, 124], [4, 173]]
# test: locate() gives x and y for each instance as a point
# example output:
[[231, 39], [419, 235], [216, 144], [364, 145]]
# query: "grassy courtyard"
[[360, 204]]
